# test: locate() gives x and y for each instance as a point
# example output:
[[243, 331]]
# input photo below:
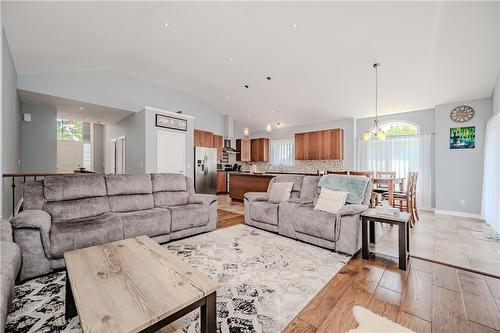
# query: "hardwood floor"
[[428, 297]]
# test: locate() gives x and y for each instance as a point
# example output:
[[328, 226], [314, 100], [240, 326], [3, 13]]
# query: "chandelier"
[[375, 131]]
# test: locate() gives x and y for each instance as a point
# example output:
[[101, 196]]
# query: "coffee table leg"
[[70, 307], [365, 253], [209, 314], [402, 246]]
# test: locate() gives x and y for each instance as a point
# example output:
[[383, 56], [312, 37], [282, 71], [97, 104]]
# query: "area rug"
[[264, 281], [488, 234], [369, 322]]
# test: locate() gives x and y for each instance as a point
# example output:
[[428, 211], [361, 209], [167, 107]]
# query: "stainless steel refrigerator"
[[205, 173]]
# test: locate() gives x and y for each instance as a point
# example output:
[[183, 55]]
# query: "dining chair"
[[361, 173], [406, 200], [344, 172], [382, 188]]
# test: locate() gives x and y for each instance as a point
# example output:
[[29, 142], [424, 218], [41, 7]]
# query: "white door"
[[171, 152], [69, 156]]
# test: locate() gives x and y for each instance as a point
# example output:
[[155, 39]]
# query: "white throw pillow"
[[330, 201], [280, 192]]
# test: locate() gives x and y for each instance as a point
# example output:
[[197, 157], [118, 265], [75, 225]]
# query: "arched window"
[[398, 128]]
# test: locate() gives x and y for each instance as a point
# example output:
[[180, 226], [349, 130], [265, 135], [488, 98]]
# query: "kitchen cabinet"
[[221, 182], [320, 145], [218, 143], [203, 139], [243, 146], [259, 150]]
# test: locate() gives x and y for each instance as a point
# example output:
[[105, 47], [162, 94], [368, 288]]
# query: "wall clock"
[[462, 113]]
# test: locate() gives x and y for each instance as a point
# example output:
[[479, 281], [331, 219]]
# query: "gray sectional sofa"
[[296, 218], [64, 213]]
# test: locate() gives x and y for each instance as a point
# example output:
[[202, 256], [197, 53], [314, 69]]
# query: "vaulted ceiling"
[[319, 55]]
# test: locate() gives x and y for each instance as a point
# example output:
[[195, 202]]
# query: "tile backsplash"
[[310, 166]]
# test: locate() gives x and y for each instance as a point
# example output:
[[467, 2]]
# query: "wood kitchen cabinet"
[[203, 139], [320, 145], [221, 182], [243, 146], [218, 143], [259, 150]]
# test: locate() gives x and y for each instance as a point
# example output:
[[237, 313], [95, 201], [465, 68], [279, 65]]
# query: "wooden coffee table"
[[135, 285]]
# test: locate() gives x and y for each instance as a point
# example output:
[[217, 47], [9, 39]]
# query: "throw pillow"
[[280, 192], [330, 201]]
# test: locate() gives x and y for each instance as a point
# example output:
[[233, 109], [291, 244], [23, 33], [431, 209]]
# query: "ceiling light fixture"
[[268, 128], [272, 111], [268, 78], [278, 125], [294, 25], [230, 59], [246, 86], [375, 131], [246, 132], [81, 108], [248, 116], [227, 98], [165, 24]]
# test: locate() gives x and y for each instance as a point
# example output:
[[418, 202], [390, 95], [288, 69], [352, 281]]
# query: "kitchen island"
[[243, 182]]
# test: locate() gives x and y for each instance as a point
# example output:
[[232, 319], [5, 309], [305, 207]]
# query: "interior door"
[[171, 152], [69, 156]]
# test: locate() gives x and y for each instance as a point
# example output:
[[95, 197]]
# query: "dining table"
[[390, 182]]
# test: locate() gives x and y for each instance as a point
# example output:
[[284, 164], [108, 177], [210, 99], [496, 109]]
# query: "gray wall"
[[11, 126], [496, 95], [348, 125], [98, 148], [423, 118], [123, 92], [459, 173], [39, 139], [133, 129], [151, 144]]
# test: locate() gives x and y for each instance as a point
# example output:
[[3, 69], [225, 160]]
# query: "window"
[[69, 130], [281, 151], [398, 128]]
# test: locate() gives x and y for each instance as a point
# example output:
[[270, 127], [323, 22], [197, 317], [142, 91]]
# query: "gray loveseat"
[[64, 213], [296, 218]]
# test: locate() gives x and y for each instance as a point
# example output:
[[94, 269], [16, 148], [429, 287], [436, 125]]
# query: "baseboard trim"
[[455, 213]]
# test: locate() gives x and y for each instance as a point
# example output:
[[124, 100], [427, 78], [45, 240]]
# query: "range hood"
[[228, 148]]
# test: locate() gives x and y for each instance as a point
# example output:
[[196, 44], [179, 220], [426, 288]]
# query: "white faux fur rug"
[[369, 322]]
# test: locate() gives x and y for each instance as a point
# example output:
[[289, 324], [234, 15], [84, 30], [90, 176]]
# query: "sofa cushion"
[[77, 209], [72, 235], [330, 201], [168, 182], [33, 198], [129, 184], [264, 211], [58, 188], [151, 222], [309, 186], [162, 199], [314, 222], [280, 191], [131, 202], [189, 216]]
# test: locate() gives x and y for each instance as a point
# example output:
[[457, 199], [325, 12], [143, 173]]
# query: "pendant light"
[[246, 132], [268, 128], [375, 131]]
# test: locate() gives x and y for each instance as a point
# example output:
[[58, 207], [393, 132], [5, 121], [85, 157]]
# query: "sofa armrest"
[[5, 231], [204, 199], [34, 219], [351, 209], [256, 196]]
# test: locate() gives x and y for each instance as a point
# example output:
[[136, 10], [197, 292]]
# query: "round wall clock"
[[462, 113]]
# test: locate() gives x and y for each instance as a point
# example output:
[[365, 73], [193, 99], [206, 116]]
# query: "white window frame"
[[285, 146]]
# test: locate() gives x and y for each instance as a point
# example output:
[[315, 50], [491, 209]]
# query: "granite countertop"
[[267, 174]]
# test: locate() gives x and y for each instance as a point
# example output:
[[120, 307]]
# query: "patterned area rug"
[[264, 281], [489, 234]]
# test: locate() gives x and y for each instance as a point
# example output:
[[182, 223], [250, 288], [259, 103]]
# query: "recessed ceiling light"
[[81, 108], [230, 59], [278, 125], [269, 78], [246, 86], [248, 116], [165, 24], [272, 111], [294, 25]]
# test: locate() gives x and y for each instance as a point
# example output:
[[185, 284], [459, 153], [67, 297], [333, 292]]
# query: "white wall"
[[133, 129], [122, 92], [459, 172], [496, 95], [11, 126], [39, 140]]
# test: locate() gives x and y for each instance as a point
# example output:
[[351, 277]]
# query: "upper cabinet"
[[259, 150], [320, 145], [218, 141], [243, 146], [203, 139]]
